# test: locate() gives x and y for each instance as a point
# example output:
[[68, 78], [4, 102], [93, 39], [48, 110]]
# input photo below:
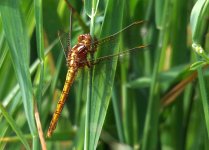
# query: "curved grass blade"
[[103, 82], [199, 23], [196, 17], [40, 50], [40, 45], [18, 41], [14, 126], [91, 7], [149, 140]]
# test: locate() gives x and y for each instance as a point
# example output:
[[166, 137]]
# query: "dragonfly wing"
[[114, 57], [65, 42], [112, 40]]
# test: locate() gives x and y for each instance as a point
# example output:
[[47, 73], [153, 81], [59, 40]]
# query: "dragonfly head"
[[85, 39]]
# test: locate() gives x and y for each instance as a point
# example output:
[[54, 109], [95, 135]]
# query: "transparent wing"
[[114, 57], [65, 38], [127, 33], [65, 42]]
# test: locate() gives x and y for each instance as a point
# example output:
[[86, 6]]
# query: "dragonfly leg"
[[93, 50], [88, 64], [94, 47]]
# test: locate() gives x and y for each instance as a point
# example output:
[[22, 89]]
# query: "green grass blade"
[[14, 126], [198, 20], [149, 140], [118, 117], [158, 103], [102, 82], [199, 24], [40, 46], [91, 9], [18, 41]]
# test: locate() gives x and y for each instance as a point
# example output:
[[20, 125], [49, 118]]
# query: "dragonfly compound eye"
[[85, 39], [81, 38]]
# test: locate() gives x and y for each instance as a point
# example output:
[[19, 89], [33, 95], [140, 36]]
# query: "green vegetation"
[[152, 98]]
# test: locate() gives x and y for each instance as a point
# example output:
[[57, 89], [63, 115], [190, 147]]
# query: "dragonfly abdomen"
[[71, 73]]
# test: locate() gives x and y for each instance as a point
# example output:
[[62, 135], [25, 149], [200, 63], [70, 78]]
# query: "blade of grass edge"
[[40, 45], [14, 126], [90, 8], [18, 42], [103, 81], [40, 50], [199, 23], [149, 140]]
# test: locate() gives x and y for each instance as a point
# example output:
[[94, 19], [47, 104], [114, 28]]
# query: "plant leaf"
[[103, 80], [18, 41]]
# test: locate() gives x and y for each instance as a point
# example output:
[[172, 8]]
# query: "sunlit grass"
[[147, 100]]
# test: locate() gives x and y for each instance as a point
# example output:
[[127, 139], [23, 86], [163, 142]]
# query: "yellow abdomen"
[[71, 73]]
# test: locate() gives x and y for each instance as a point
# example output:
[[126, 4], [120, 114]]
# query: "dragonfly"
[[77, 58]]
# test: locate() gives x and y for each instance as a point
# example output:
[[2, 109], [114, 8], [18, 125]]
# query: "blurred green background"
[[152, 98]]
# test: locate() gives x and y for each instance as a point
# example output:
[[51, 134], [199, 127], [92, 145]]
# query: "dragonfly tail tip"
[[48, 134]]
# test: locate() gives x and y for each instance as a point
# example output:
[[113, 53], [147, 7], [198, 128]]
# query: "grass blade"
[[18, 41], [40, 50], [152, 115], [100, 99], [40, 45], [199, 25], [14, 126]]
